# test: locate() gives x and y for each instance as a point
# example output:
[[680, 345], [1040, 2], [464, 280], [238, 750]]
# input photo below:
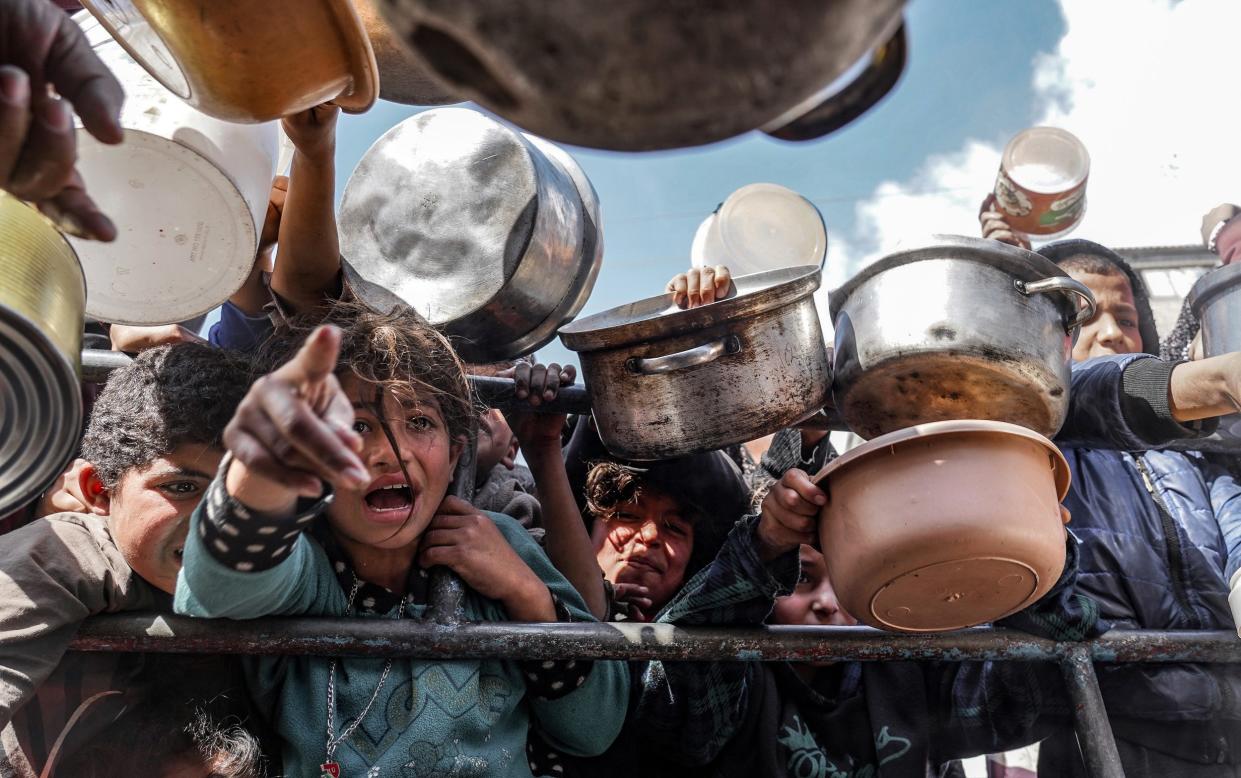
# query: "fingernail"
[[56, 116], [14, 86], [820, 500]]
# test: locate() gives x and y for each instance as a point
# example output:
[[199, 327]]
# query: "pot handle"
[[693, 357], [1065, 285]]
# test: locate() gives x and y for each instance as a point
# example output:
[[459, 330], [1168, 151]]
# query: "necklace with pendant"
[[330, 767]]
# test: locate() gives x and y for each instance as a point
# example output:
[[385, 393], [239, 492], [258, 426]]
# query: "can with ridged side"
[[42, 299]]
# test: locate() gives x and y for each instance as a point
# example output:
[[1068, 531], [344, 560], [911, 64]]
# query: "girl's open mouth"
[[394, 497]]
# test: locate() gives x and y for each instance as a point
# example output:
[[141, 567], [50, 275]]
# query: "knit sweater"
[[431, 718]]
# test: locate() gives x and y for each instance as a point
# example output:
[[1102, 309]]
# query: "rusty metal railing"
[[634, 641]]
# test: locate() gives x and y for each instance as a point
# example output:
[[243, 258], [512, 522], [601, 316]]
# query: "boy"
[[379, 410], [152, 444]]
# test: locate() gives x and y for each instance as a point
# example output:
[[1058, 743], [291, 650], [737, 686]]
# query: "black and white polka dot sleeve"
[[247, 540], [553, 679]]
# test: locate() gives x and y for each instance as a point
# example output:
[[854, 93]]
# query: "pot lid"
[[1017, 262], [440, 211], [955, 427], [1214, 282], [659, 317]]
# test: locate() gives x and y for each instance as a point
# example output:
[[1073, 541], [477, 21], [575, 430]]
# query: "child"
[[332, 503], [153, 441], [500, 484]]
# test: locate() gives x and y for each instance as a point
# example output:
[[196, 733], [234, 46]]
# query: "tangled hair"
[[396, 352], [608, 486], [159, 735], [168, 397]]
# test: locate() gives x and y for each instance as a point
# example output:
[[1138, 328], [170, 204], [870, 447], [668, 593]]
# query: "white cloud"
[[1148, 85]]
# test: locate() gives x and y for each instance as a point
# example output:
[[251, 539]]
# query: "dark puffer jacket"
[[1153, 557]]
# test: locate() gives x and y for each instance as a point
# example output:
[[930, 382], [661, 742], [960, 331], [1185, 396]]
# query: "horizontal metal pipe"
[[590, 640], [492, 392]]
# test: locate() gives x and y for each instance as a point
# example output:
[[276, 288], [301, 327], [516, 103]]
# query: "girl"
[[331, 502]]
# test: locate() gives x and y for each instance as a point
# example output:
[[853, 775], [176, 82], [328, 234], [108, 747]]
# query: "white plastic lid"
[[180, 251], [762, 227]]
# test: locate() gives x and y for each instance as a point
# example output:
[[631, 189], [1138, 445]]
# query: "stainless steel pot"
[[1216, 301], [964, 328], [641, 74], [42, 298], [665, 382], [476, 227]]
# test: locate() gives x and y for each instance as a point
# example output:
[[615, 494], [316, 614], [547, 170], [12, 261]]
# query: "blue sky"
[[968, 77]]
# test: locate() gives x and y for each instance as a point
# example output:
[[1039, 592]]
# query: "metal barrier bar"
[[1094, 734], [593, 640]]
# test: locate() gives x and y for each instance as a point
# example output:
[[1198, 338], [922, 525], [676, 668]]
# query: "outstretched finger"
[[46, 163], [316, 359], [314, 439], [73, 210], [521, 380]]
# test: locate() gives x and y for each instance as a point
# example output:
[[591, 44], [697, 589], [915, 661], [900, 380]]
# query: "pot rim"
[[658, 317], [360, 57], [955, 427], [1021, 264], [1212, 284]]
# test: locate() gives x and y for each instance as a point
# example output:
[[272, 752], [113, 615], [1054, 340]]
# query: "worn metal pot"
[[945, 525], [666, 382], [232, 60], [963, 328], [642, 74], [1216, 301], [42, 298], [473, 226], [402, 79], [850, 96]]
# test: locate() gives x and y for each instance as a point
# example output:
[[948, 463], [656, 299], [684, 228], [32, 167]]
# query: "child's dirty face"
[[496, 443], [149, 510], [378, 514], [648, 542], [814, 601]]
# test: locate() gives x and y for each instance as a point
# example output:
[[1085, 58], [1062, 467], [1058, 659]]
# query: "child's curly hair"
[[169, 396], [396, 352]]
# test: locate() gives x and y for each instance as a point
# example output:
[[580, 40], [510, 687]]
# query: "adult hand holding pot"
[[41, 47]]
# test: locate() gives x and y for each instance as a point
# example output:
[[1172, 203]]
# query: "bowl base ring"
[[952, 595]]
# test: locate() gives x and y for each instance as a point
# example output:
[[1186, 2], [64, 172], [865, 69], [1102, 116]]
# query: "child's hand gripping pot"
[[790, 515]]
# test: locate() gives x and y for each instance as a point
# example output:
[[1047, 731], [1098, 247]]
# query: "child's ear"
[[92, 491], [509, 460]]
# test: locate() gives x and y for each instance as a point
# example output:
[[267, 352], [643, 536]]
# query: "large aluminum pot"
[[945, 525], [480, 229], [231, 60], [1216, 301], [964, 328], [641, 74], [42, 296], [189, 193], [666, 382]]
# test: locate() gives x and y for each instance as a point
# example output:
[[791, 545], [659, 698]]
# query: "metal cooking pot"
[[232, 60], [665, 382], [477, 227], [42, 298], [1216, 301], [402, 79], [642, 74], [848, 97], [964, 328]]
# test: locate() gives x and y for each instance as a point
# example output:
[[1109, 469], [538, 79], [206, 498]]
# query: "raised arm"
[[307, 271]]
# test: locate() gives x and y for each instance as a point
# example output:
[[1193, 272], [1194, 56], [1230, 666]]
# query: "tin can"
[[1041, 185], [42, 296]]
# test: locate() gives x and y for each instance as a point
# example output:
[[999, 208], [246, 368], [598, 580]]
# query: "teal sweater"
[[433, 718]]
